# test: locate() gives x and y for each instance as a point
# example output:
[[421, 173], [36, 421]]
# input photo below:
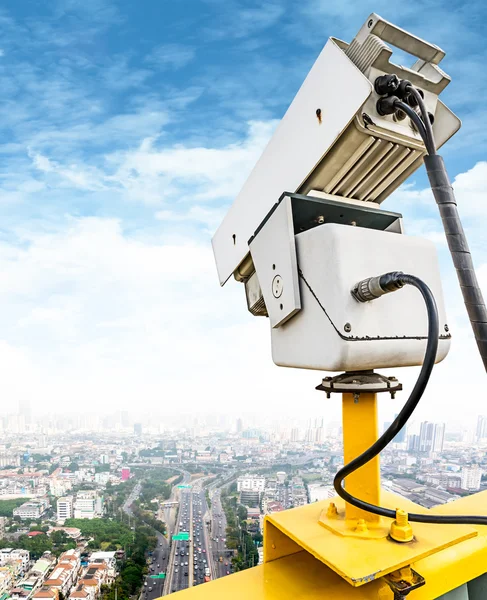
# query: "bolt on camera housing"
[[307, 224]]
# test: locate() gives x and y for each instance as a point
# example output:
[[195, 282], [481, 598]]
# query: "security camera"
[[308, 223]]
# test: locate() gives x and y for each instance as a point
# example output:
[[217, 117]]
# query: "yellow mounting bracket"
[[359, 558]]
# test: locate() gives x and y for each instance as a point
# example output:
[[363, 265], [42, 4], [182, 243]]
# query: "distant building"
[[33, 510], [138, 429], [471, 477], [65, 508], [251, 488], [439, 437], [481, 432], [10, 555], [295, 434], [254, 483], [319, 435], [125, 473], [239, 426], [310, 434], [88, 505], [46, 593], [431, 437], [3, 522], [413, 443], [281, 476]]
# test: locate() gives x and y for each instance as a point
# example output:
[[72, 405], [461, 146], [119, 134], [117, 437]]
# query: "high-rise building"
[[481, 432], [125, 473], [320, 435], [239, 425], [431, 437], [471, 477], [25, 411], [438, 437], [310, 434], [65, 508], [413, 443], [138, 429], [426, 434], [295, 434]]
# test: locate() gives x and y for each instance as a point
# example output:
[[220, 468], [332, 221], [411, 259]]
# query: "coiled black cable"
[[455, 235], [403, 417]]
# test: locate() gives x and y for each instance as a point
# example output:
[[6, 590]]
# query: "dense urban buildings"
[[59, 468]]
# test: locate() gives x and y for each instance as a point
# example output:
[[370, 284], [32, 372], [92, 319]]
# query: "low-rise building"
[[9, 556], [32, 510], [6, 580], [46, 593]]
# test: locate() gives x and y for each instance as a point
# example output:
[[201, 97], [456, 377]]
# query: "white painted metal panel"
[[332, 259], [273, 252], [333, 85]]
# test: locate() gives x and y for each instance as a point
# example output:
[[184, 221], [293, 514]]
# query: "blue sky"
[[127, 128]]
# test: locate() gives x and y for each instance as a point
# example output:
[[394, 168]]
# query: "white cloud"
[[90, 314], [171, 56], [195, 174]]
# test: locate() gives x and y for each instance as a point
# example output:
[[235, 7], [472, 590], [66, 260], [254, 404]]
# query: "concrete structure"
[[125, 473]]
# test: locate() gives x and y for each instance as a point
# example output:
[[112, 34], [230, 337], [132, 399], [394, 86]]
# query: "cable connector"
[[375, 287]]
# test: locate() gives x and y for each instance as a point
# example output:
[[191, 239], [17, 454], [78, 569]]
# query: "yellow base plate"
[[357, 559]]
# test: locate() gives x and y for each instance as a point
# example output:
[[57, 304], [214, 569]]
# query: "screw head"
[[347, 327], [370, 23], [447, 329]]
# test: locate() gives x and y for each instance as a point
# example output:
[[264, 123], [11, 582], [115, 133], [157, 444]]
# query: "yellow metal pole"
[[360, 431]]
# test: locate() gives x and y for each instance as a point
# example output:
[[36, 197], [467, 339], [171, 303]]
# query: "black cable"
[[455, 235], [416, 119], [395, 281], [425, 116]]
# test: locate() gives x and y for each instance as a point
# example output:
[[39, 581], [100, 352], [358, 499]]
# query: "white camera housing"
[[307, 224]]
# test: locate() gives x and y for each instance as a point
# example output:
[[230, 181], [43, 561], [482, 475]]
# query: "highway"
[[158, 562], [218, 529], [159, 558], [190, 561], [201, 555]]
